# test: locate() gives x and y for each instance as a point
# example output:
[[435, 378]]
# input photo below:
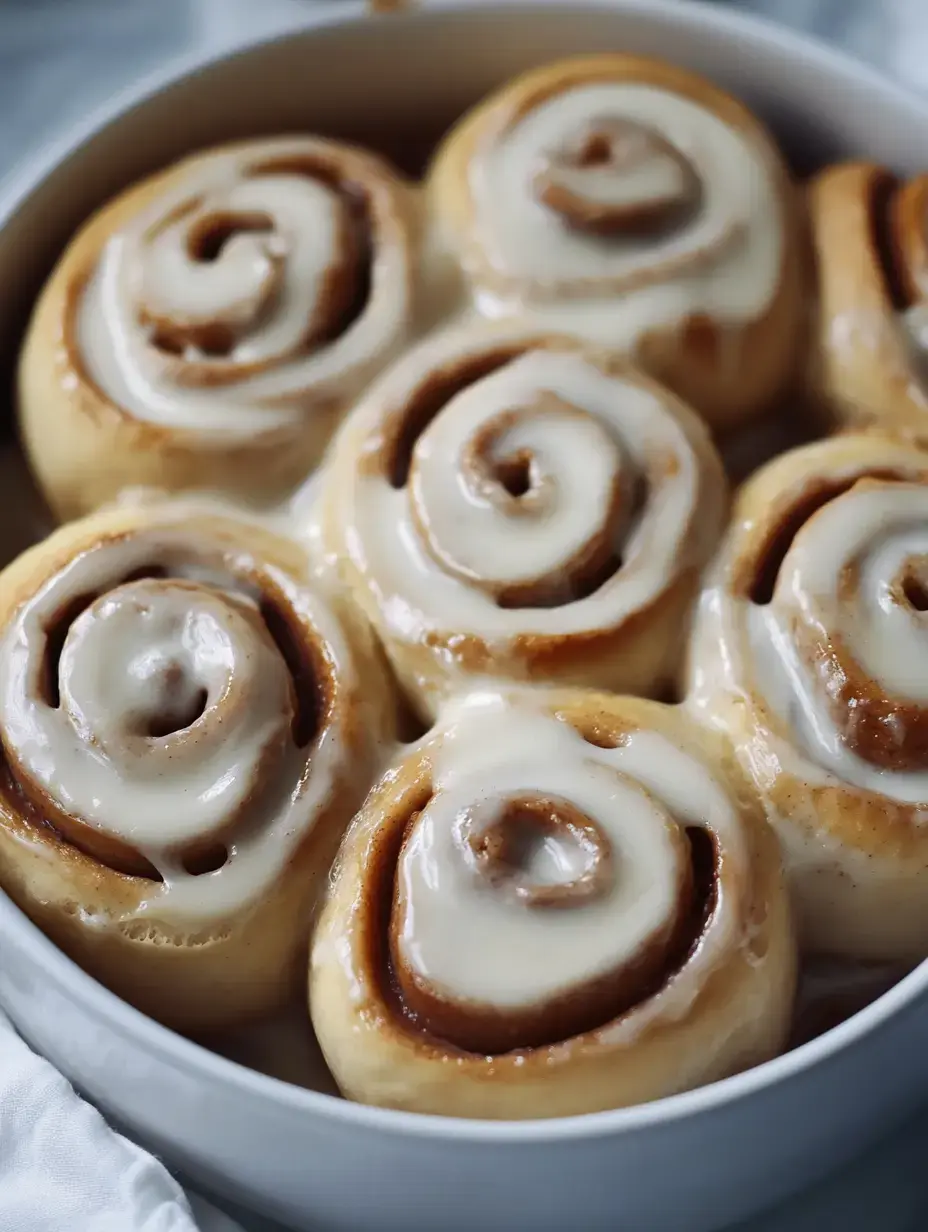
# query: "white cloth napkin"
[[62, 1169]]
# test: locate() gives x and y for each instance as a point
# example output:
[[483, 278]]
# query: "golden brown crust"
[[728, 372], [85, 448], [738, 1017], [869, 236], [857, 858], [192, 974], [637, 652]]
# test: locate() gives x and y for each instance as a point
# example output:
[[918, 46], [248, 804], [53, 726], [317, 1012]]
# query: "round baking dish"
[[692, 1162]]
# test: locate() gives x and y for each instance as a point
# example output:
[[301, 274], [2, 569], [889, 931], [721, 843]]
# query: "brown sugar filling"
[[483, 1030], [883, 237], [406, 425], [347, 290], [312, 689], [514, 474], [760, 574]]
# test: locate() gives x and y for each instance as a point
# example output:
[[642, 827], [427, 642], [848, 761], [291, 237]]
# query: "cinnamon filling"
[[56, 633], [181, 703], [345, 309], [516, 485], [304, 663], [508, 477], [912, 586], [887, 731], [210, 233], [181, 709], [503, 858], [507, 854], [616, 176], [394, 447], [885, 239], [761, 572], [343, 294]]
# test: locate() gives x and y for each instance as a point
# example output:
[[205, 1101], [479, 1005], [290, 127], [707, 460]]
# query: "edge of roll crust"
[[871, 243], [197, 914]]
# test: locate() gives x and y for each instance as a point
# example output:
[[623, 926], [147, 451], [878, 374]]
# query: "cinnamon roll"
[[208, 327], [810, 651], [522, 507], [185, 728], [555, 904], [628, 200], [869, 366]]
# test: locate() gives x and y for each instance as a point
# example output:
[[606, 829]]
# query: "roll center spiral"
[[542, 887], [542, 851], [613, 175], [544, 494], [913, 583], [147, 718]]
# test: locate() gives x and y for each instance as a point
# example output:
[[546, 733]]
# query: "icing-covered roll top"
[[164, 695], [636, 204], [853, 589], [870, 363], [208, 328], [611, 176], [503, 503], [546, 886], [186, 728], [538, 881], [810, 649], [835, 609], [263, 281]]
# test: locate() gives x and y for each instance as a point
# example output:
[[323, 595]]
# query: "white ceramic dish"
[[693, 1162]]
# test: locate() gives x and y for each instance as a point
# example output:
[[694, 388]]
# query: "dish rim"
[[196, 1060]]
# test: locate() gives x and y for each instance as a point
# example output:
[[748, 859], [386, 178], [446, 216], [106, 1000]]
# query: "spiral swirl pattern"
[[541, 890], [262, 282], [500, 493], [170, 705], [809, 650], [615, 196], [545, 874]]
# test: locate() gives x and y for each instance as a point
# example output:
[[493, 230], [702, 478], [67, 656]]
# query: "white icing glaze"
[[745, 648], [437, 551], [269, 288], [723, 261], [478, 943], [193, 641]]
